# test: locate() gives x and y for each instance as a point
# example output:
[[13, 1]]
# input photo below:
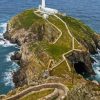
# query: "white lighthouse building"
[[46, 10]]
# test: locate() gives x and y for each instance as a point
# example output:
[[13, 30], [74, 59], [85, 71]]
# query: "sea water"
[[7, 67], [86, 10]]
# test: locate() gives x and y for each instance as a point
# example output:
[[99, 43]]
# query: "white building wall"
[[45, 10]]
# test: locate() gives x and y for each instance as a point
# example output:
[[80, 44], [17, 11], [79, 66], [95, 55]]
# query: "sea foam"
[[96, 66], [4, 42], [8, 74], [8, 57], [8, 79]]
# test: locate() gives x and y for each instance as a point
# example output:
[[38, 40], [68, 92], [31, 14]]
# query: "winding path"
[[60, 92], [73, 40]]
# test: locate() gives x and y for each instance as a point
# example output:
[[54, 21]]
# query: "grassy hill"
[[45, 44]]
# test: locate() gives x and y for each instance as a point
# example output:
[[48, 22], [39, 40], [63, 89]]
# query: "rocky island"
[[54, 57]]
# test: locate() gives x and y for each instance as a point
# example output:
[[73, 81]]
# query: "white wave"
[[96, 66], [97, 70], [8, 44], [15, 67], [17, 47], [4, 26], [96, 60], [4, 42], [8, 56], [98, 54], [1, 35], [8, 76]]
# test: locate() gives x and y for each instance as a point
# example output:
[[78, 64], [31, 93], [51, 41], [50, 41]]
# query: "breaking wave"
[[4, 42], [10, 67], [8, 57], [96, 66], [8, 76]]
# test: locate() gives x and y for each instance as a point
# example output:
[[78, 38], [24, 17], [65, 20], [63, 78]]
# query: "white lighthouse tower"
[[43, 3], [45, 10]]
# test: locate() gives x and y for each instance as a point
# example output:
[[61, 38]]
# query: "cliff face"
[[36, 36], [27, 57], [81, 61]]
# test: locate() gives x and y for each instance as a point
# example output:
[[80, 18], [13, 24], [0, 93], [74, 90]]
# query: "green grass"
[[63, 44], [26, 19], [56, 51], [38, 95], [60, 70], [79, 29], [78, 46]]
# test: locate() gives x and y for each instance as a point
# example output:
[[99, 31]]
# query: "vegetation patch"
[[60, 70], [79, 29], [78, 45], [38, 95], [64, 43], [25, 20]]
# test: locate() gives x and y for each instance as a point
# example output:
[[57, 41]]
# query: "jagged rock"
[[81, 57], [19, 78], [16, 56], [46, 74]]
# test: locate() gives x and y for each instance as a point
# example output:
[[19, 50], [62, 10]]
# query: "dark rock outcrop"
[[19, 78], [96, 38], [81, 57], [16, 56]]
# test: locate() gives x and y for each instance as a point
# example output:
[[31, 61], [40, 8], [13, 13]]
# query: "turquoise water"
[[86, 10]]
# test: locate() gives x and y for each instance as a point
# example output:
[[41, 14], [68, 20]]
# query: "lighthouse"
[[43, 3], [45, 10]]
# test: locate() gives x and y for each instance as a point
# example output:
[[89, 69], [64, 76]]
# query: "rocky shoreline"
[[36, 33], [38, 56], [21, 56]]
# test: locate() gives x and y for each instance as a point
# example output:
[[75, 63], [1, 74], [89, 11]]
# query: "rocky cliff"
[[40, 58]]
